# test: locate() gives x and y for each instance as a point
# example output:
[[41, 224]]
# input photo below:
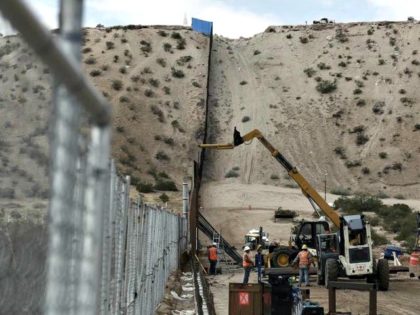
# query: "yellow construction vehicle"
[[349, 252]]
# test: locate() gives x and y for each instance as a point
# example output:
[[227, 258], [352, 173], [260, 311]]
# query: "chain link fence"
[[101, 250]]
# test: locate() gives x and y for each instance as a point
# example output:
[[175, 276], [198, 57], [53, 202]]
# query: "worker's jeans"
[[303, 275], [212, 270], [247, 271]]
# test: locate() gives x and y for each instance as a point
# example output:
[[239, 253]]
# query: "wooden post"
[[372, 302], [331, 300]]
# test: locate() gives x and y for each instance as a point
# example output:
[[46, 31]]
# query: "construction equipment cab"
[[353, 256]]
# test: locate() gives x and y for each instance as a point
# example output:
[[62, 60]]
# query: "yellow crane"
[[307, 190]]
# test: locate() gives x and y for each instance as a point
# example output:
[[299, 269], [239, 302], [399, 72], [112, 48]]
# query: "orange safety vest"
[[304, 258], [213, 253], [246, 262]]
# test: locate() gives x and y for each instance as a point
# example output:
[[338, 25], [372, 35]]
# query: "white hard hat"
[[304, 246], [214, 244], [246, 248]]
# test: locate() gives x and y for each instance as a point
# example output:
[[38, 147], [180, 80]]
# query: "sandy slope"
[[263, 78]]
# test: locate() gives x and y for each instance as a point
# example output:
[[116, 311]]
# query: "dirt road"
[[402, 297]]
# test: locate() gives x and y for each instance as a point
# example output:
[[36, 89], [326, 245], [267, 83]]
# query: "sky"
[[231, 18]]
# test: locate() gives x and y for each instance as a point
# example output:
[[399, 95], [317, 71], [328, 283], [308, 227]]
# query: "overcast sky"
[[231, 18]]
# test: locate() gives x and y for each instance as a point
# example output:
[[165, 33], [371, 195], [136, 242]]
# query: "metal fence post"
[[97, 183], [61, 257]]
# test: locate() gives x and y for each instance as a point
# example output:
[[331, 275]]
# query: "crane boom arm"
[[307, 190]]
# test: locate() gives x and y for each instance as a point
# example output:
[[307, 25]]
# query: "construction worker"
[[259, 261], [304, 259], [212, 255], [247, 263]]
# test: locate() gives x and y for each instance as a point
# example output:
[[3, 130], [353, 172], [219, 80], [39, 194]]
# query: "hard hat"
[[304, 246], [214, 244], [246, 248]]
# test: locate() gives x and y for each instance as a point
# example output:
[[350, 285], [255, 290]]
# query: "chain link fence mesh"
[[100, 249]]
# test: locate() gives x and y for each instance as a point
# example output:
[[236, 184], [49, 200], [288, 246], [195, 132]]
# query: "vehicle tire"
[[283, 257], [383, 274], [331, 271]]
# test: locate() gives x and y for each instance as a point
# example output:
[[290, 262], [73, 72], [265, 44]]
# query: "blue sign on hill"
[[202, 26]]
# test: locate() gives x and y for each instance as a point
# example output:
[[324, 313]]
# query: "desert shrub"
[[177, 73], [231, 174], [378, 239], [415, 62], [117, 85], [124, 99], [135, 78], [95, 73], [167, 90], [361, 139], [162, 33], [90, 61], [392, 41], [144, 187], [341, 191], [164, 197], [370, 31], [169, 141], [274, 177], [243, 82], [176, 35], [162, 156], [357, 91], [7, 192], [165, 185], [417, 127], [406, 100], [383, 155], [326, 86], [402, 91], [397, 166], [342, 64], [145, 46], [167, 47], [163, 175], [340, 151], [158, 112], [355, 163], [399, 196], [309, 72], [86, 50], [341, 36], [289, 36], [183, 60], [365, 170], [120, 129], [180, 44], [381, 62], [323, 66], [303, 40], [357, 129], [361, 102], [123, 70], [378, 108], [109, 45], [245, 119], [161, 61], [257, 52], [196, 84], [154, 82]]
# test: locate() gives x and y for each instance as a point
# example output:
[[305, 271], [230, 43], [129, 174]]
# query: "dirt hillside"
[[155, 79], [340, 99]]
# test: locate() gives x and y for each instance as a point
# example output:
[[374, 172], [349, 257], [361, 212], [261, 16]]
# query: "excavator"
[[347, 253]]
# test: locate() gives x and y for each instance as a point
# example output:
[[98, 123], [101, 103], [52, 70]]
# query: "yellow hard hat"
[[304, 246]]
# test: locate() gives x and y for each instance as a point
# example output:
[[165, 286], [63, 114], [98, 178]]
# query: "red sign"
[[243, 298]]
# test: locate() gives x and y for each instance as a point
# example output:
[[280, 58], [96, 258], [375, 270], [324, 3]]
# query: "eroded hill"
[[155, 79], [340, 99]]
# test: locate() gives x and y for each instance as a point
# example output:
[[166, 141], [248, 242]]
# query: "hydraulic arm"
[[314, 198]]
